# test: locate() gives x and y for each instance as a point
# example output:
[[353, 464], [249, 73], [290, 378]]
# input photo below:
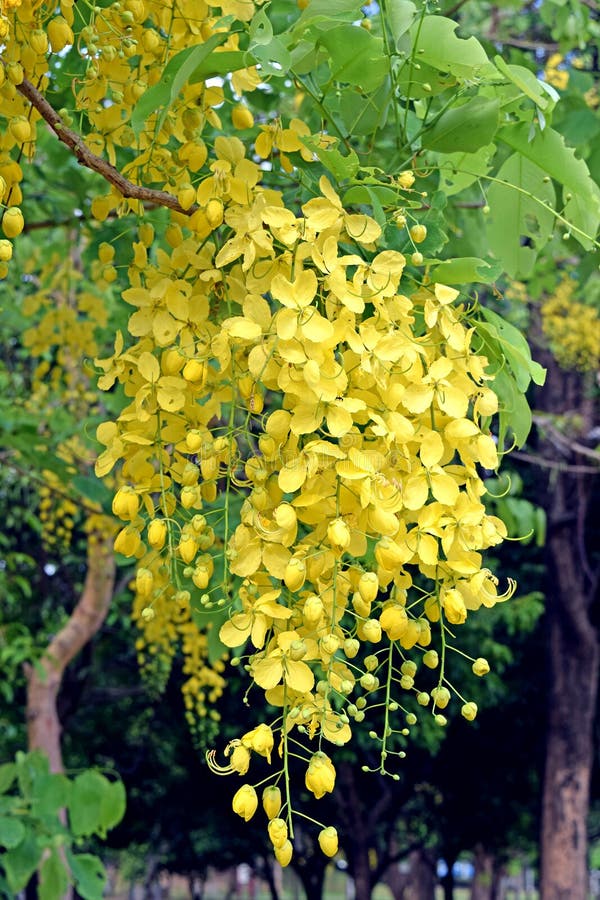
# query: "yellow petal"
[[299, 676]]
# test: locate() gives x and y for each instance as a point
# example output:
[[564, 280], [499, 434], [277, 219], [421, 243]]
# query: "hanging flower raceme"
[[301, 453]]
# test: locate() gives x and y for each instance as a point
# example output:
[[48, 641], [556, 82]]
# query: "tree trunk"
[[447, 881], [483, 878], [417, 883], [313, 880], [572, 644], [44, 680]]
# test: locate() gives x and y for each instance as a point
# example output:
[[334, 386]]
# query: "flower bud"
[[454, 607], [328, 841], [481, 666], [431, 659], [12, 222], [394, 621], [295, 573], [338, 535], [283, 854], [59, 34], [469, 711], [271, 801], [144, 581], [278, 832], [157, 533], [320, 775], [368, 586], [245, 802], [441, 696], [313, 609], [127, 541], [241, 117]]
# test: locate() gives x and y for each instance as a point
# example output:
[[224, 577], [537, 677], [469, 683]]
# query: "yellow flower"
[[260, 739], [278, 832], [328, 841], [271, 801], [245, 802], [240, 759], [284, 853], [320, 775]]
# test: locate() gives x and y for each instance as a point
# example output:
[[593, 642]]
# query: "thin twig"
[[534, 460], [86, 158]]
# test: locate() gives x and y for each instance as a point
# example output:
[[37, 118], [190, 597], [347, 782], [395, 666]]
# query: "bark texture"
[[572, 643], [44, 680]]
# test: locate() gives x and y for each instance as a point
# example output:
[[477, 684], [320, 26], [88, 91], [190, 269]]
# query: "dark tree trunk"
[[417, 883], [267, 874], [572, 643], [312, 881], [447, 881], [485, 881]]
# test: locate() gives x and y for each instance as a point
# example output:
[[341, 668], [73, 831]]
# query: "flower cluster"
[[572, 329], [278, 362]]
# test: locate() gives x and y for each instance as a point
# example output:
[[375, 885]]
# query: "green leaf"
[[49, 794], [362, 113], [465, 270], [524, 80], [426, 81], [8, 772], [21, 862], [341, 167], [322, 11], [53, 878], [400, 16], [177, 71], [459, 170], [436, 43], [547, 149], [91, 488], [514, 348], [465, 128], [12, 832], [518, 213], [356, 56], [96, 804], [89, 875]]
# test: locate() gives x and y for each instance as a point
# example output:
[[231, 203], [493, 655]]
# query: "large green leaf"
[[8, 773], [96, 804], [437, 44], [465, 128], [465, 270], [525, 81], [21, 862], [400, 16], [459, 170], [356, 56], [89, 875], [12, 831], [49, 794], [341, 167], [520, 221], [53, 878], [547, 149], [514, 348]]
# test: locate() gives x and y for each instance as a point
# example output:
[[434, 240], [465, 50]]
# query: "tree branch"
[[86, 158]]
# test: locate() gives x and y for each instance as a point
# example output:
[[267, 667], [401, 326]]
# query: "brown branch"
[[544, 463], [85, 157], [44, 680], [562, 442]]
